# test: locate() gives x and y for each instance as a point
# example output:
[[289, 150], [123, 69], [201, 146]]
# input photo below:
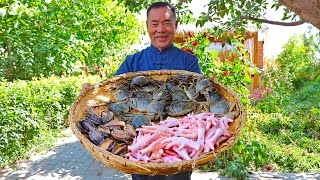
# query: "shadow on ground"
[[68, 160]]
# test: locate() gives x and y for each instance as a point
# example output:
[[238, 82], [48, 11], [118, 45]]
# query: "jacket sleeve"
[[193, 65], [125, 66]]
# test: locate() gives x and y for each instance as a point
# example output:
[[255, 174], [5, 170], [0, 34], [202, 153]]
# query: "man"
[[161, 54]]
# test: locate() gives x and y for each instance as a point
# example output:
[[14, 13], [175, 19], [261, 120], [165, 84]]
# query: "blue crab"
[[219, 107], [122, 94], [162, 93], [137, 120], [179, 108], [140, 101], [118, 108]]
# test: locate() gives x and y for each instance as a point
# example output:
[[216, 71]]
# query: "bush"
[[60, 37], [31, 110], [233, 70]]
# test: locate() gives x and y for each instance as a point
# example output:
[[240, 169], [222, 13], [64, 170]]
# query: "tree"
[[238, 13], [307, 10], [59, 36]]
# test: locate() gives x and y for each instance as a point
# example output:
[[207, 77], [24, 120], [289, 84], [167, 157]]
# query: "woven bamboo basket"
[[102, 93]]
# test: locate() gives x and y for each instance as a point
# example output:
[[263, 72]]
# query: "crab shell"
[[140, 105], [137, 120], [178, 94], [161, 93], [118, 108], [97, 137], [120, 149], [108, 145], [220, 107], [179, 108], [128, 128], [121, 135], [115, 122], [121, 94], [85, 126]]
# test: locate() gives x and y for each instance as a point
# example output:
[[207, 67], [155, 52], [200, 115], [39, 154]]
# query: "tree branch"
[[296, 23]]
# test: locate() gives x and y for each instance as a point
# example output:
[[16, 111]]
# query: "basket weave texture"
[[103, 92]]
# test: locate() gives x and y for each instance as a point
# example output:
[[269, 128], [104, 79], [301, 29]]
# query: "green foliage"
[[229, 15], [31, 110], [245, 154], [60, 36], [282, 125], [235, 74], [291, 128], [289, 116], [298, 62]]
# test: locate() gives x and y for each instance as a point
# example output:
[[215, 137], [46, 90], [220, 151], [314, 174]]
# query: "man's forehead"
[[160, 13]]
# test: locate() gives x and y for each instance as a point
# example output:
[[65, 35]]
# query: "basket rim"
[[146, 165]]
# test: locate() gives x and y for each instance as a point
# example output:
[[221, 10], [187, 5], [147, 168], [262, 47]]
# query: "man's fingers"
[[87, 86]]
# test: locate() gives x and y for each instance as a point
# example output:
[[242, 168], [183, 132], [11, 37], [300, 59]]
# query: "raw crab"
[[179, 108], [191, 92], [137, 120], [213, 96], [147, 88], [178, 94], [180, 79], [121, 135], [122, 94], [162, 93], [96, 136], [118, 108], [141, 81], [141, 104], [203, 85], [156, 109], [220, 107]]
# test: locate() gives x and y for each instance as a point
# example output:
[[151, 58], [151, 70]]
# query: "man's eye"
[[154, 24]]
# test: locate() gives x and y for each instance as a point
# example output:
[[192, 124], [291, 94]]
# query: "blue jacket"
[[151, 58]]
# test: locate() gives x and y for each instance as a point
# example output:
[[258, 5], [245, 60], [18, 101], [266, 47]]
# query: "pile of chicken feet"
[[180, 139]]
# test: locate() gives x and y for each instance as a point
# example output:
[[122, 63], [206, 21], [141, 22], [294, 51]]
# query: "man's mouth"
[[161, 38]]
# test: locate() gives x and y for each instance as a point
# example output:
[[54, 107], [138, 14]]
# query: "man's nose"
[[161, 28]]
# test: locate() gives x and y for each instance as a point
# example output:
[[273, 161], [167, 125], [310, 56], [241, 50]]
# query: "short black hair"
[[161, 4]]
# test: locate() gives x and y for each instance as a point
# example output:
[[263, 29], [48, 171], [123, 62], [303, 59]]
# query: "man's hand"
[[86, 87]]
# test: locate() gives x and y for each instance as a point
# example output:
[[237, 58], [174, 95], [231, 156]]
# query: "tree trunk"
[[308, 10]]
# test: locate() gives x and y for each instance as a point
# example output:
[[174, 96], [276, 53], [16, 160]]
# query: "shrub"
[[233, 70], [60, 37], [31, 110]]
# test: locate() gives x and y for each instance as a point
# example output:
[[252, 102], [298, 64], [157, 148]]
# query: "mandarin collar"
[[155, 50]]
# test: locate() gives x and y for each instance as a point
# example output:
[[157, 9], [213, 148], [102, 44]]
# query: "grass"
[[286, 136]]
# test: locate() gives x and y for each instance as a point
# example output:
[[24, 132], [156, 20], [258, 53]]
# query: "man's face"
[[161, 27]]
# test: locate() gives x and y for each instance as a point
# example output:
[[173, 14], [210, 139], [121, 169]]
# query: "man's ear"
[[176, 25], [147, 23]]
